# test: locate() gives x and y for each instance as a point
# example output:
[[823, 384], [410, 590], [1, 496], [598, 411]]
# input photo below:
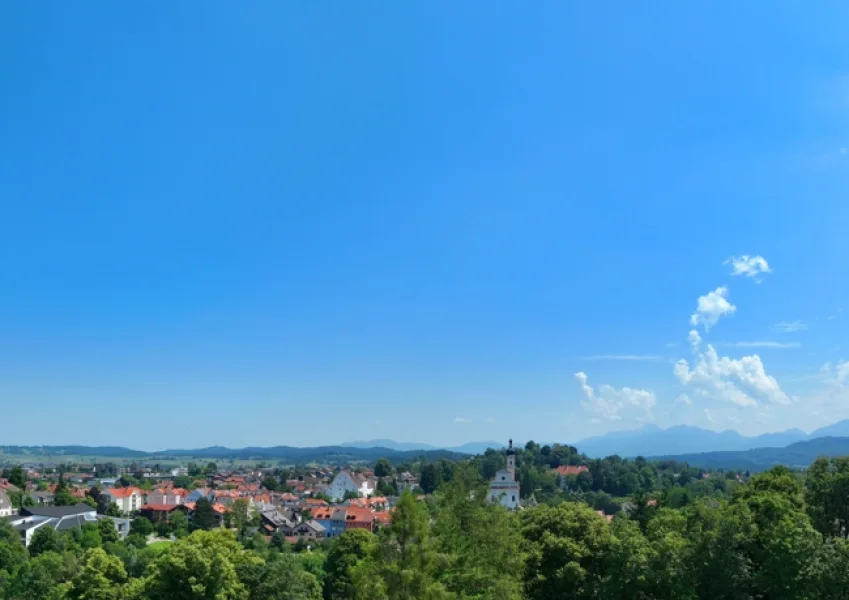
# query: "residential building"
[[504, 489], [276, 520], [179, 471], [406, 481], [564, 470], [171, 496], [359, 518], [43, 498], [311, 530], [128, 499], [199, 493], [5, 504], [157, 512], [347, 482], [332, 519], [61, 518]]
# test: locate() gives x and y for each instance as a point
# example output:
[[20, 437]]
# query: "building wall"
[[341, 484]]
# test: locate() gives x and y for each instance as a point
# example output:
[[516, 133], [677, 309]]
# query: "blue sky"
[[306, 223]]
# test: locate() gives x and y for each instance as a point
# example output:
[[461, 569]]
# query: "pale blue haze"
[[303, 223]]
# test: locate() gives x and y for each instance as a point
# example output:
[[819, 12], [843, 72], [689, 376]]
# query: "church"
[[504, 489]]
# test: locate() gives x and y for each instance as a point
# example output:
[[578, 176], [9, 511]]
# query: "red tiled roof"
[[123, 492], [315, 502], [359, 515], [384, 517], [570, 469], [321, 513], [220, 508], [159, 507]]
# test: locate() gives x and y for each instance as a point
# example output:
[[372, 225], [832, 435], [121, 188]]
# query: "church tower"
[[503, 488]]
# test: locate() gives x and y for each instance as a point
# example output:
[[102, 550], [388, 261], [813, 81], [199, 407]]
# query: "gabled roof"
[[56, 511], [570, 469], [359, 515], [159, 507], [123, 492]]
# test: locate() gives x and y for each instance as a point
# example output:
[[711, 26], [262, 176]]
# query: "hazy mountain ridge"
[[684, 439], [467, 448], [287, 454], [798, 455]]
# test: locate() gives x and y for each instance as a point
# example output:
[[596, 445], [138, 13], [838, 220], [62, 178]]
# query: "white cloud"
[[837, 375], [608, 402], [595, 421], [734, 419], [711, 307], [790, 326], [631, 357], [489, 420], [748, 266], [684, 399], [461, 420], [765, 344], [739, 381], [709, 416]]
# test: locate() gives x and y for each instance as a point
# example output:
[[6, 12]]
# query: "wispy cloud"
[[684, 399], [709, 416], [489, 420], [623, 357], [789, 326], [764, 344], [461, 420], [749, 266]]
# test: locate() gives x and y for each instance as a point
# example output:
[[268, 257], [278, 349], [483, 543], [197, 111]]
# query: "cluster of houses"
[[321, 504]]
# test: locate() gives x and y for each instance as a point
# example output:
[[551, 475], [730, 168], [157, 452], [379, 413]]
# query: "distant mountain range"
[[467, 448], [654, 441], [799, 455], [285, 454]]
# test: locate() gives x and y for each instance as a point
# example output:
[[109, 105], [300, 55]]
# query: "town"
[[301, 505]]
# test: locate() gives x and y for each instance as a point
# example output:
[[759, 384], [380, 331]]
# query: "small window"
[[503, 478], [514, 498]]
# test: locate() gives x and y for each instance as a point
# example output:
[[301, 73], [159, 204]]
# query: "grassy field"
[[159, 547]]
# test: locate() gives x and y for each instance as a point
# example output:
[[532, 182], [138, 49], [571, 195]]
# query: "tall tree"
[[405, 563], [285, 579], [566, 547], [430, 478], [345, 555], [383, 468], [239, 515], [482, 541], [203, 565], [107, 530], [204, 516], [101, 578]]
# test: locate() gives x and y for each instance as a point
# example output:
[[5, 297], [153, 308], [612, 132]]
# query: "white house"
[[167, 496], [128, 499], [504, 489], [5, 504], [347, 482]]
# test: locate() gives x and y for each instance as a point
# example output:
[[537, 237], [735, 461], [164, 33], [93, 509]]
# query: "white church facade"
[[504, 489]]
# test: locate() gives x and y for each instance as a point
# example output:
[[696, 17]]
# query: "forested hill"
[[798, 455], [288, 454]]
